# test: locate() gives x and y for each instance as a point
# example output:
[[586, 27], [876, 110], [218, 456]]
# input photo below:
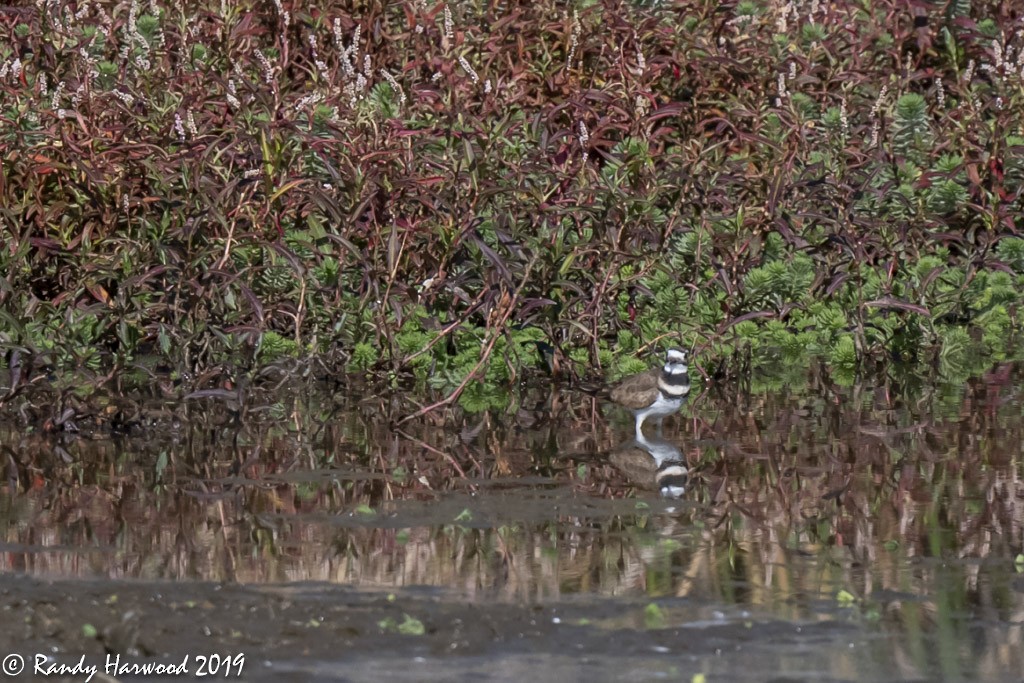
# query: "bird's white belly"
[[662, 407]]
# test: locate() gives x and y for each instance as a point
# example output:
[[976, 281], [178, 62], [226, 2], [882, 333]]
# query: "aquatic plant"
[[451, 194]]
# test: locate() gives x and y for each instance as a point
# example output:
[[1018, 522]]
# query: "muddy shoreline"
[[323, 632]]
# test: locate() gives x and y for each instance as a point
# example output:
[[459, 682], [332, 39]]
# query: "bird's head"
[[677, 362]]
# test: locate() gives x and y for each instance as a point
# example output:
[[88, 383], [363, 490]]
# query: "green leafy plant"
[[458, 215]]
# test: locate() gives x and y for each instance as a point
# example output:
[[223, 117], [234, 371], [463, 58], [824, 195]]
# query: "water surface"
[[825, 533]]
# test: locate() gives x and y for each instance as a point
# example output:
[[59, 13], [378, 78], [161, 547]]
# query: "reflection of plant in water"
[[791, 494]]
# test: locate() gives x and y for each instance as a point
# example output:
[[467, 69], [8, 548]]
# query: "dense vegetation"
[[440, 191]]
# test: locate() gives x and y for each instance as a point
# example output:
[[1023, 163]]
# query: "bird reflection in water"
[[652, 462]]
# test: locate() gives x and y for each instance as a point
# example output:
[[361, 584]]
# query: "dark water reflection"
[[901, 514]]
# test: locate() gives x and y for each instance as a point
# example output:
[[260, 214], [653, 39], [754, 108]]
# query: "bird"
[[657, 392], [652, 463]]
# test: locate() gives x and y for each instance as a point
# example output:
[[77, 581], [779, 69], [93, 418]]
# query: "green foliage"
[[988, 27], [211, 204], [627, 365], [748, 8], [953, 349], [383, 100], [1011, 251], [949, 163], [829, 317], [946, 196], [804, 104], [996, 325], [364, 355], [479, 397], [746, 330], [148, 25], [843, 359], [911, 129], [790, 345], [926, 265], [274, 347], [812, 33], [779, 281], [626, 342], [999, 288], [833, 120]]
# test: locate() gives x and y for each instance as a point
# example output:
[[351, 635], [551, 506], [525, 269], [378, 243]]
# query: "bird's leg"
[[661, 424]]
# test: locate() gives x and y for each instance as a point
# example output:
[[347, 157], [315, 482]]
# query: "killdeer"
[[652, 463], [655, 393]]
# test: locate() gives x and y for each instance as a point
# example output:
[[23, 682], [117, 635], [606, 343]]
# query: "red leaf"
[[891, 302]]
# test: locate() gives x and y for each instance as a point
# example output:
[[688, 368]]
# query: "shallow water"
[[865, 533]]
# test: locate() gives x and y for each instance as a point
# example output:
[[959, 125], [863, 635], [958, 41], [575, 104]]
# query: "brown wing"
[[638, 391], [634, 462]]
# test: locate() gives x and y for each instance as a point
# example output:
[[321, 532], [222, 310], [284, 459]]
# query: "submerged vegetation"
[[437, 193]]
